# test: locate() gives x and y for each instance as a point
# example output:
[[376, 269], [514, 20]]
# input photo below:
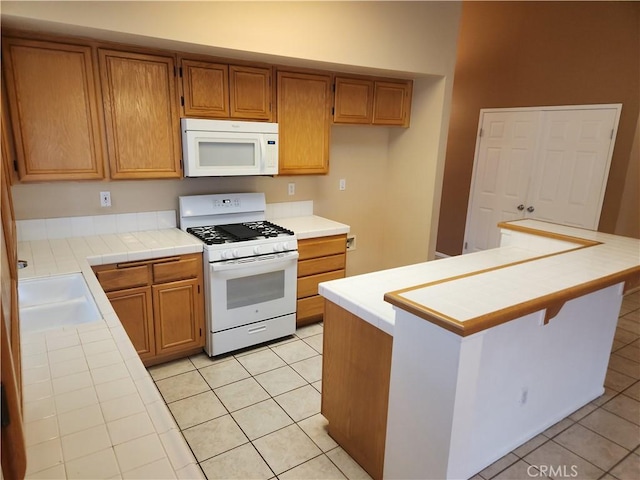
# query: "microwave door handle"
[[262, 153]]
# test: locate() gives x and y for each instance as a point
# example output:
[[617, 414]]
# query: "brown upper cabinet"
[[54, 110], [353, 101], [75, 103], [304, 122], [216, 90], [372, 102], [141, 114]]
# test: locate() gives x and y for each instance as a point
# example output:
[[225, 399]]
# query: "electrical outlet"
[[351, 243], [292, 189], [343, 184], [105, 199]]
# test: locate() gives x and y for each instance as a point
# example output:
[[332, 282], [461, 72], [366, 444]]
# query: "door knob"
[[530, 209], [520, 207]]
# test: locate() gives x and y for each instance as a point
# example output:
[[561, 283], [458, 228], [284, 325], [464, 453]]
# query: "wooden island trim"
[[552, 303]]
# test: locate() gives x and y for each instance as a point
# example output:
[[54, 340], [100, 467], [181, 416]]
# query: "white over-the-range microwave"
[[215, 148]]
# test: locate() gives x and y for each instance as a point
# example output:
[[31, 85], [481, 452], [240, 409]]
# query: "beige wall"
[[393, 175], [520, 54], [416, 37]]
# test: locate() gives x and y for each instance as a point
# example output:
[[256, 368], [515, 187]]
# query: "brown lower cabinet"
[[160, 303], [320, 259]]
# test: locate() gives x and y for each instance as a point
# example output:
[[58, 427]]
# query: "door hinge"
[[6, 419], [611, 136], [333, 110], [198, 288], [15, 165], [200, 332], [481, 132], [180, 70], [466, 245], [182, 100], [334, 87]]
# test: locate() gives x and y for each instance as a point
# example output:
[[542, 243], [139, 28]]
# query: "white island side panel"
[[457, 404]]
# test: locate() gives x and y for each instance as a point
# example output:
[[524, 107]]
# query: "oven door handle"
[[224, 266]]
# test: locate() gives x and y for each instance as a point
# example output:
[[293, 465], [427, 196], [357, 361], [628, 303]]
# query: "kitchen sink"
[[52, 302]]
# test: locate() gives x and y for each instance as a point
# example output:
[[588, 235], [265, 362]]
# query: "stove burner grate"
[[237, 232]]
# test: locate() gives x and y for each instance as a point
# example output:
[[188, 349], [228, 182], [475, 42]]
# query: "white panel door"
[[571, 173], [547, 163], [504, 159]]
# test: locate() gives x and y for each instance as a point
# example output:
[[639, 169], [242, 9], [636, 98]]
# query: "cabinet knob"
[[520, 207], [530, 209]]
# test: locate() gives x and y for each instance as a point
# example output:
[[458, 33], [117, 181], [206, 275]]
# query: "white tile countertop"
[[91, 409], [312, 226], [547, 259]]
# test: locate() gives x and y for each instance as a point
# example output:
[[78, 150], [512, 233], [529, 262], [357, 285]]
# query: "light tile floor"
[[256, 414]]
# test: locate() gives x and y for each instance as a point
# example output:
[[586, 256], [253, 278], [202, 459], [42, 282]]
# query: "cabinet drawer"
[[309, 308], [321, 265], [177, 269], [121, 278], [322, 246], [308, 286]]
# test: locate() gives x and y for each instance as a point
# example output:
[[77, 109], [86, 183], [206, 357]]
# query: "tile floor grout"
[[568, 439]]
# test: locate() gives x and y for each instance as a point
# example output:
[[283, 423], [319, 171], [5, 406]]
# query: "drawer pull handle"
[[146, 262], [259, 329]]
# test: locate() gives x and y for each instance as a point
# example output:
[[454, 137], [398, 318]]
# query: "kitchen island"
[[471, 356]]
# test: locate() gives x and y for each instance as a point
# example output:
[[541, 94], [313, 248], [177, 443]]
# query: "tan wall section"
[[381, 165], [628, 223], [401, 36], [520, 54]]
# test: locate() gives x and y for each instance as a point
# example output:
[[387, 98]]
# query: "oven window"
[[255, 289]]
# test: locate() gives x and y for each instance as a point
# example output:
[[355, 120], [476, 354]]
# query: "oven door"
[[252, 289]]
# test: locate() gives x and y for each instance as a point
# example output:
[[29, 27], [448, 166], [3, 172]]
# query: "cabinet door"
[[141, 115], [353, 101], [135, 311], [14, 459], [206, 89], [250, 89], [392, 103], [179, 321], [304, 109], [55, 116]]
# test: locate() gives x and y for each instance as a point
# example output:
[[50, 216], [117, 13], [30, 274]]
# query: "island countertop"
[[548, 265]]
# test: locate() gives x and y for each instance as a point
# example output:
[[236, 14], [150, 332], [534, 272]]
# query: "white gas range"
[[251, 269]]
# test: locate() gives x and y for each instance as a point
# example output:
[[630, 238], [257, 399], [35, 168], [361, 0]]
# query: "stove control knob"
[[229, 254], [286, 246], [277, 247], [257, 250]]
